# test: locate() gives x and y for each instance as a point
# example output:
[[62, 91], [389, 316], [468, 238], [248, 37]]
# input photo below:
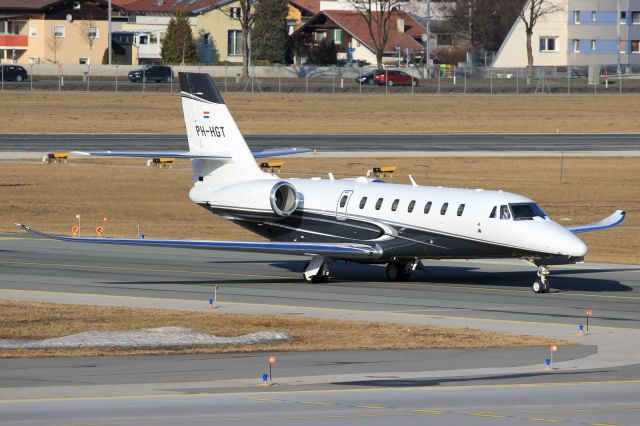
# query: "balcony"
[[10, 41]]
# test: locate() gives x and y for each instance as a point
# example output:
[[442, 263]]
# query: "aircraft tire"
[[538, 287], [396, 271]]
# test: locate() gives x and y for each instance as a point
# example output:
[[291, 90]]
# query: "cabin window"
[[504, 212], [394, 206], [493, 212], [412, 204], [363, 202], [378, 203], [427, 207], [443, 210], [460, 209], [343, 200]]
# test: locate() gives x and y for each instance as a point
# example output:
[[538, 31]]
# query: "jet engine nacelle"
[[284, 198], [277, 198]]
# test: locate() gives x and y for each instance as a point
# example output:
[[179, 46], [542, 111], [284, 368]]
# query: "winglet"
[[615, 219]]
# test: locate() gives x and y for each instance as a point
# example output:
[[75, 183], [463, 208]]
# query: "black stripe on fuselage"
[[324, 227]]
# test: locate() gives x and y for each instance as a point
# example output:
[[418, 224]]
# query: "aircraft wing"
[[615, 219], [343, 250], [280, 152]]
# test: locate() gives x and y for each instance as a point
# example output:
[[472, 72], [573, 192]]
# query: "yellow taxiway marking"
[[435, 412], [606, 424], [325, 391], [319, 309], [371, 407], [264, 399], [487, 415], [535, 419], [317, 403]]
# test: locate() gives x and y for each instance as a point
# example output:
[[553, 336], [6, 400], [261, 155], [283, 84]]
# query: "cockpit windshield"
[[526, 211]]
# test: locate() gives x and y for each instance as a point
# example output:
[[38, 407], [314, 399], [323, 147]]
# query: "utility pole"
[[109, 32], [619, 68], [427, 46]]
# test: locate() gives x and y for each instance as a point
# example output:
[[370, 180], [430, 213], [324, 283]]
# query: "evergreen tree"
[[178, 46], [269, 33]]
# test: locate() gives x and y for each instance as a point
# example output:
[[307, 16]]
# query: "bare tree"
[[88, 32], [245, 14], [530, 15], [54, 44], [377, 14]]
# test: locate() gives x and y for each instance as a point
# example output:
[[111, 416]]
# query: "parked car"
[[158, 73], [395, 77], [368, 78], [13, 73]]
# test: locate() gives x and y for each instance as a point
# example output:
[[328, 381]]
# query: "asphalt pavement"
[[436, 143]]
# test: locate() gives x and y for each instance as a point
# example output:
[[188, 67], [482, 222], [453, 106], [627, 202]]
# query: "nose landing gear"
[[542, 285]]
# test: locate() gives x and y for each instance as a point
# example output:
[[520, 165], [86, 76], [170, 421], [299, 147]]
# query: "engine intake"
[[284, 199]]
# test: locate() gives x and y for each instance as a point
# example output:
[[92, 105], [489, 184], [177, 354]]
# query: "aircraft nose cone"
[[574, 246]]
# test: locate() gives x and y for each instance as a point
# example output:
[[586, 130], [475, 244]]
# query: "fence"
[[440, 80]]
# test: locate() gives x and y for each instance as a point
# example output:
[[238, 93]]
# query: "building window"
[[320, 35], [547, 44], [443, 210], [337, 36], [394, 205], [363, 202], [234, 13], [576, 46], [93, 32], [234, 42], [153, 38], [83, 61], [623, 17], [33, 31], [143, 39], [427, 207], [378, 203], [460, 209], [594, 16], [58, 31], [412, 204], [576, 17], [593, 45], [635, 46], [635, 18]]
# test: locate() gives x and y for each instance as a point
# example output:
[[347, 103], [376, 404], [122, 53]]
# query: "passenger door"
[[343, 203]]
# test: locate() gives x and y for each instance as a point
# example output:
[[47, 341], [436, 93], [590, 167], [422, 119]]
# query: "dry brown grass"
[[108, 112], [49, 197], [35, 320]]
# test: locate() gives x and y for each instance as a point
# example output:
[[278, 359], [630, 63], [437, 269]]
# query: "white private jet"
[[357, 219]]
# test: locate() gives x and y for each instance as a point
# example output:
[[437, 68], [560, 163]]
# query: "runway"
[[328, 387], [344, 143]]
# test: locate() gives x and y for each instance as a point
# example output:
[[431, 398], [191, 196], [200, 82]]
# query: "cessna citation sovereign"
[[357, 219]]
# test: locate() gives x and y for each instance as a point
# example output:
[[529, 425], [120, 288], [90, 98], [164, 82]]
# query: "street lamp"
[[109, 32]]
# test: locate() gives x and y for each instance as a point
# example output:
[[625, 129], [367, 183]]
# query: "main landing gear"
[[542, 285], [316, 270], [400, 270]]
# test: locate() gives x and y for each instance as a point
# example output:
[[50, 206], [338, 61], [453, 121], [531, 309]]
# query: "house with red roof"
[[349, 30]]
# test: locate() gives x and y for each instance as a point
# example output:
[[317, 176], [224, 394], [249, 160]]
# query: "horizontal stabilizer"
[[343, 251], [149, 154], [191, 155], [280, 152], [615, 219]]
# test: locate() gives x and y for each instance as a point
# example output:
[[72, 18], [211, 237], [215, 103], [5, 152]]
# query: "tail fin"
[[211, 130]]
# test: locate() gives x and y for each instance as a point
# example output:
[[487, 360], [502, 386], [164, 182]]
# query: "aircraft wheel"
[[397, 271], [538, 287]]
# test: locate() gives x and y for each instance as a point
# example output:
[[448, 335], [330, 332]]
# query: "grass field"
[[318, 114], [49, 196], [35, 320]]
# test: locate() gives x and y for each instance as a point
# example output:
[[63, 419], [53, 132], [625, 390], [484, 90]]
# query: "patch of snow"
[[144, 338]]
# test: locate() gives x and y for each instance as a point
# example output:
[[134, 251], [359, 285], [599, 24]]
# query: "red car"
[[395, 77]]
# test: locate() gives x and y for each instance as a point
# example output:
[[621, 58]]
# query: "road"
[[344, 143]]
